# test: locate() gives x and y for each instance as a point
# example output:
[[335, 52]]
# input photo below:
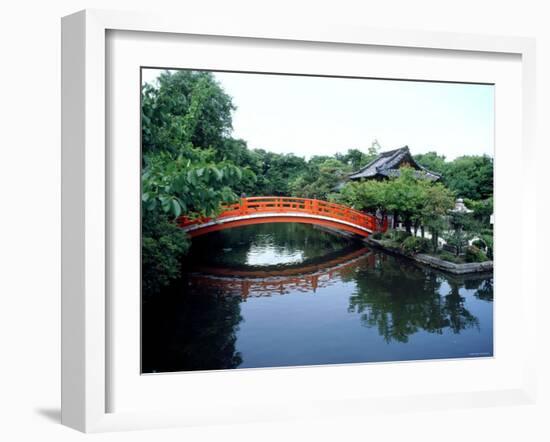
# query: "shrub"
[[400, 235], [163, 246], [474, 254], [414, 244], [447, 256], [487, 237], [376, 235], [396, 235], [480, 244]]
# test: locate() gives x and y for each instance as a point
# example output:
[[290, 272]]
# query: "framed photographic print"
[[257, 258], [266, 223]]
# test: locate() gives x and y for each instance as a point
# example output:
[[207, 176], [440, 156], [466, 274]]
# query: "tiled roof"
[[387, 164]]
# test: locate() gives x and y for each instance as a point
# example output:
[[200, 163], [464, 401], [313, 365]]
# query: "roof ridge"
[[393, 151], [386, 161], [379, 157]]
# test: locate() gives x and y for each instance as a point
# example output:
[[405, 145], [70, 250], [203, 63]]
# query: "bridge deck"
[[256, 210]]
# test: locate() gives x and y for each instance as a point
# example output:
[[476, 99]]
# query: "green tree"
[[483, 209], [163, 244], [178, 186], [367, 195], [277, 171], [320, 180], [438, 200], [405, 196], [355, 158], [470, 177], [462, 230], [433, 162], [184, 107], [186, 119], [417, 201]]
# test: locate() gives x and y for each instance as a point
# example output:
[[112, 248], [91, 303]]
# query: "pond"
[[274, 295]]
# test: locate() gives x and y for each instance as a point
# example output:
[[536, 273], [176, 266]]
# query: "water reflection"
[[308, 276], [183, 333], [282, 243], [339, 302], [399, 298]]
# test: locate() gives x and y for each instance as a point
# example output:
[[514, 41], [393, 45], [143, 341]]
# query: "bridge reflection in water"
[[303, 278]]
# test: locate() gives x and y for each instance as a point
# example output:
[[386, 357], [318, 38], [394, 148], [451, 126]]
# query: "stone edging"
[[458, 269]]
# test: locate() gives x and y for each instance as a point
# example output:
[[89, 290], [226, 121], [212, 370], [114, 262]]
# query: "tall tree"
[[437, 202], [186, 120], [184, 107]]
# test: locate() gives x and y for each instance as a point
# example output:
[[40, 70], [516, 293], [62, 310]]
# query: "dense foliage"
[[185, 121], [466, 176], [418, 202], [414, 244], [163, 244]]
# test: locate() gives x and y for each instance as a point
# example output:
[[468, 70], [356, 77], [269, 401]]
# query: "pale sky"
[[321, 116]]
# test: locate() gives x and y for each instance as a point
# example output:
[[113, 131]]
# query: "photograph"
[[303, 220]]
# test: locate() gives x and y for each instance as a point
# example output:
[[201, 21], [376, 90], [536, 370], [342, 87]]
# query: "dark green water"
[[276, 295]]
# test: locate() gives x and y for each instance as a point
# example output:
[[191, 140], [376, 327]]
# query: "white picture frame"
[[86, 315]]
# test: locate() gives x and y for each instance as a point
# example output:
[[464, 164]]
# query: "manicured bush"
[[414, 244], [474, 254]]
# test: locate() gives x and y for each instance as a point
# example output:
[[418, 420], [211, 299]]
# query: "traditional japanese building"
[[387, 165]]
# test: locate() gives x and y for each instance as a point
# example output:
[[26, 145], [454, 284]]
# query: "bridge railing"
[[276, 204]]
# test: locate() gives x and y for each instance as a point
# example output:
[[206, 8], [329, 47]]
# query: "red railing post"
[[244, 206]]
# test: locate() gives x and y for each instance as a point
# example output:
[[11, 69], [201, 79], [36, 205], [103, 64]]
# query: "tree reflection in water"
[[179, 328], [400, 299], [484, 288]]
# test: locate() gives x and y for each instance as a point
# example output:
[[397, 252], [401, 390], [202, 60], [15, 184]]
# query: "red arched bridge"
[[276, 209]]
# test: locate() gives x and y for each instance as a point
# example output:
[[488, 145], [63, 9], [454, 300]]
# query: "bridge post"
[[315, 282], [243, 206], [245, 289]]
